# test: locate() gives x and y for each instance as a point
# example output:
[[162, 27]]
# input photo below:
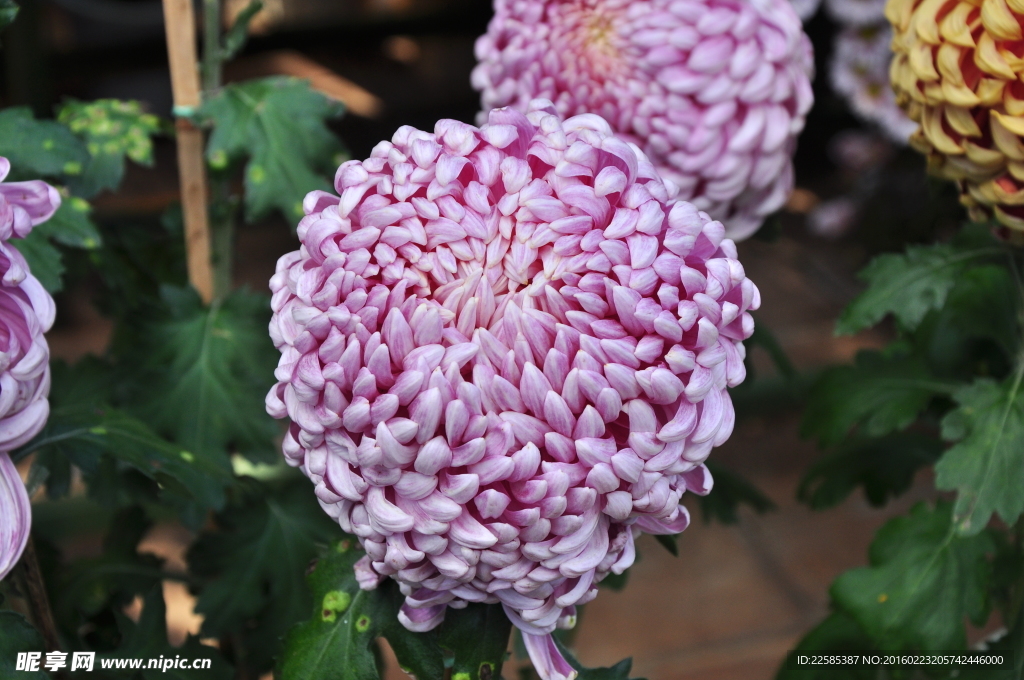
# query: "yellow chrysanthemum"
[[958, 71]]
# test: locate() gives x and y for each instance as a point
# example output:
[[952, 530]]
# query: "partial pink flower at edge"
[[715, 92], [26, 313], [505, 353]]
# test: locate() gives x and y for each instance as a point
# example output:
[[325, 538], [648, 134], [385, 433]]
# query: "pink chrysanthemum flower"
[[26, 312], [860, 72], [714, 91], [504, 352]]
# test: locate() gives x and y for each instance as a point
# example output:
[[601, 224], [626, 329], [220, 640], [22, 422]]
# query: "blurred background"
[[739, 595]]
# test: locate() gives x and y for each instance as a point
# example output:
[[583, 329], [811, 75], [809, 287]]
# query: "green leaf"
[[884, 467], [238, 34], [255, 563], [336, 642], [201, 375], [923, 581], [71, 225], [86, 436], [18, 635], [90, 585], [148, 640], [877, 395], [478, 638], [909, 285], [44, 260], [730, 491], [278, 124], [835, 635], [669, 542], [8, 11], [986, 466], [39, 148], [112, 129], [619, 671]]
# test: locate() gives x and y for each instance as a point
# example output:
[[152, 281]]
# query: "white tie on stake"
[[180, 27]]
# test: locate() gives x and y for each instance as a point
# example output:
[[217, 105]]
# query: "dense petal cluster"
[[859, 72], [714, 91], [504, 350], [957, 72], [26, 312]]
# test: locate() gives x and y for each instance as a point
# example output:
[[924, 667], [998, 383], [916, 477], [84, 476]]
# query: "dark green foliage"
[[18, 635], [669, 542], [879, 394], [337, 642], [835, 635], [199, 374], [147, 639], [254, 565], [908, 286], [923, 582], [277, 125], [884, 467], [619, 671], [101, 441], [730, 491], [477, 638], [43, 258], [39, 148]]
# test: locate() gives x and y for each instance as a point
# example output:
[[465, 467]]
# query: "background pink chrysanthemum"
[[504, 351], [714, 91], [26, 312]]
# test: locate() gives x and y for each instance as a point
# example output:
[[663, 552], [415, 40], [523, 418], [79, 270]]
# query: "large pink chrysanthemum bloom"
[[504, 352], [714, 91], [26, 312]]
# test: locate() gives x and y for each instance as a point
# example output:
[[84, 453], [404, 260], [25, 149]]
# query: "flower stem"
[[212, 61], [38, 600]]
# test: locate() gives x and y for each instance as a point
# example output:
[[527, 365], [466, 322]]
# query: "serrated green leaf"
[[45, 261], [112, 130], [730, 491], [71, 225], [255, 564], [147, 639], [877, 395], [86, 435], [922, 583], [18, 635], [201, 375], [884, 467], [909, 285], [478, 638], [835, 635], [336, 642], [986, 465], [619, 671], [39, 148], [278, 125]]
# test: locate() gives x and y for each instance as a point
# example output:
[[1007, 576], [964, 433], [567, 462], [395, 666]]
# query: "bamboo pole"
[[181, 51]]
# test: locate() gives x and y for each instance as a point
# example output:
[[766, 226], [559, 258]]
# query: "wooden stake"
[[181, 51]]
